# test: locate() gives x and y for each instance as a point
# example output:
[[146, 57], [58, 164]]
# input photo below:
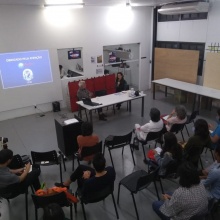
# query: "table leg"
[[90, 114], [142, 106], [153, 90], [194, 103], [80, 112], [130, 106], [165, 91]]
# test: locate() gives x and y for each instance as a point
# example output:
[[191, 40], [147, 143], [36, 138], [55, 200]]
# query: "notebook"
[[87, 101]]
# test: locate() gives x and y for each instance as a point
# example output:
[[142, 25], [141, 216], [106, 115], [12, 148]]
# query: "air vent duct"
[[186, 8]]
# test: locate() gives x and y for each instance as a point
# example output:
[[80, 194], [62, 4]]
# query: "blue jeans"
[[156, 207]]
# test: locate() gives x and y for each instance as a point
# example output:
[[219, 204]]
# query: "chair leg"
[[73, 168], [144, 151], [83, 208], [161, 186], [26, 204], [182, 136], [111, 158], [36, 214], [135, 206], [119, 186], [132, 154], [155, 185], [201, 163], [71, 211], [187, 130], [61, 177], [122, 150], [116, 211], [64, 164]]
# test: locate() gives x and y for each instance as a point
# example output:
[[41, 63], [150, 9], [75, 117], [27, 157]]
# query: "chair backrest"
[[176, 128], [153, 136], [193, 116], [11, 191], [59, 198], [146, 179], [49, 156], [171, 169], [120, 141], [16, 162], [98, 195], [193, 154], [87, 151]]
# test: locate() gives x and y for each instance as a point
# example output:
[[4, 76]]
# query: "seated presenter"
[[21, 176], [85, 93], [120, 85], [87, 139], [91, 180]]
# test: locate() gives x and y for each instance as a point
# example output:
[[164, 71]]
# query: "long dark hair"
[[201, 128], [171, 145], [120, 73]]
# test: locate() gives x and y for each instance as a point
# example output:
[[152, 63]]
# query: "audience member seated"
[[177, 116], [22, 175], [171, 151], [211, 176], [215, 135], [53, 212], [91, 180], [188, 200], [120, 85], [87, 139], [154, 125], [194, 147], [85, 93]]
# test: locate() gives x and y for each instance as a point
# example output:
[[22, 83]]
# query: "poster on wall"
[[99, 59], [92, 59], [98, 71]]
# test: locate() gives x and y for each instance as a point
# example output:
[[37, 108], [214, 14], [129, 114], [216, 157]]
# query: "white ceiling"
[[94, 2]]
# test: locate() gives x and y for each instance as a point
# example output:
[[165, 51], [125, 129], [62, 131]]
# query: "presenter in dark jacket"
[[120, 85]]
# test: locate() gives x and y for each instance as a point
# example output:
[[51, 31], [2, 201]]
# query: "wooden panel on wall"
[[212, 71], [176, 64]]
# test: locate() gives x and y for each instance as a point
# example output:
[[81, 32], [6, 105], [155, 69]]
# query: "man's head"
[[6, 156], [87, 128], [99, 162], [154, 115], [82, 84]]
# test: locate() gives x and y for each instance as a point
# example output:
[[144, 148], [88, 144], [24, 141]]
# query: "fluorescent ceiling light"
[[64, 3]]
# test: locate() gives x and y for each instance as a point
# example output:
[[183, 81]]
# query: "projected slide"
[[25, 68]]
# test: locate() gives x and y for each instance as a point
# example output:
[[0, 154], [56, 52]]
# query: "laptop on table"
[[88, 101]]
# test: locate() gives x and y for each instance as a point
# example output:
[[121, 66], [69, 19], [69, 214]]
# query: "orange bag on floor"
[[53, 190]]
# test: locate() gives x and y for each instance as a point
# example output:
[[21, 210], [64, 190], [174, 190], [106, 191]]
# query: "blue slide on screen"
[[25, 68]]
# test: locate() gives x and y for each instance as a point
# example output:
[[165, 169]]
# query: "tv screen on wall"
[[25, 68], [74, 54]]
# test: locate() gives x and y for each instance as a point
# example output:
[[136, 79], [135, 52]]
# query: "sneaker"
[[61, 185]]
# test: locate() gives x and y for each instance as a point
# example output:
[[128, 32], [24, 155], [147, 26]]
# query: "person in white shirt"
[[154, 125]]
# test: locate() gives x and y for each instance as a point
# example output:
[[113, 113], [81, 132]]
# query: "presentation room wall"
[[27, 28], [202, 31]]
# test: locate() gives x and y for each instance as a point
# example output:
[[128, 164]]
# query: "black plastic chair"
[[12, 191], [176, 128], [193, 155], [87, 151], [59, 198], [47, 159], [97, 197], [114, 142], [190, 119], [171, 172], [151, 136], [16, 162], [136, 182]]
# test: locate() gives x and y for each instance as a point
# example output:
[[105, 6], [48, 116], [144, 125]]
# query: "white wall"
[[24, 28], [202, 31]]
